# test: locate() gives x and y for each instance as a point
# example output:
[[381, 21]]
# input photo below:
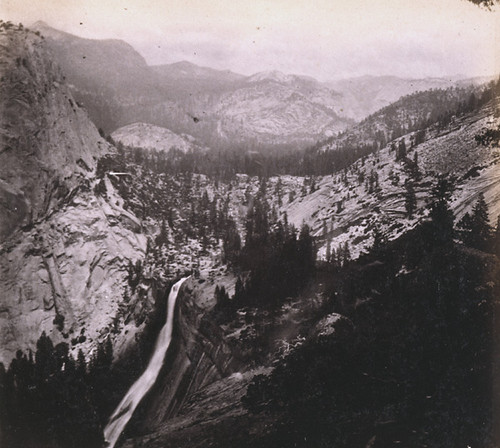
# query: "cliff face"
[[64, 250], [47, 143], [72, 265]]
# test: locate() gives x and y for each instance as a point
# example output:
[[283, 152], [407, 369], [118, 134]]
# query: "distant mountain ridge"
[[364, 95], [218, 107]]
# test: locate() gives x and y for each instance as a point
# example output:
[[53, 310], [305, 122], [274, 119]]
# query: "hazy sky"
[[322, 38]]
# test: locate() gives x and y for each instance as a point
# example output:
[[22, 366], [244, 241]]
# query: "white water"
[[133, 397]]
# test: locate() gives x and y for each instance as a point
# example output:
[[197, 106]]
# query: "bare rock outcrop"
[[72, 265], [64, 250], [47, 143]]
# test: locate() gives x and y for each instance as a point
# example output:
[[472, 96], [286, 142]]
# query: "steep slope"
[[148, 136], [48, 144], [348, 207], [64, 251], [107, 76]]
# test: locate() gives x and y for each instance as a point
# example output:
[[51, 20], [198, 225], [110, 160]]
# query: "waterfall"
[[133, 397]]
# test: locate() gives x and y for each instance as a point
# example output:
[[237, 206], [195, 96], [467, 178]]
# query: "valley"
[[313, 254]]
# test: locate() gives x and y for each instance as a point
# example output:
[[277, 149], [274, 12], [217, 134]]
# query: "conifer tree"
[[346, 254], [401, 152], [441, 215], [410, 199], [480, 226]]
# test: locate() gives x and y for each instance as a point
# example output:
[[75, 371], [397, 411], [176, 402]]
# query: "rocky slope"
[[344, 208], [64, 251], [48, 145]]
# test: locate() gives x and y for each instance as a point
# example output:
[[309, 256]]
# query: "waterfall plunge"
[[134, 395]]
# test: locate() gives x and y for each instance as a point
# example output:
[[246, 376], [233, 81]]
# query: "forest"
[[412, 364], [420, 334]]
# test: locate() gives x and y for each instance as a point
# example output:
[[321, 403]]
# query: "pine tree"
[[415, 169], [410, 199], [346, 254], [307, 252], [480, 226], [401, 152], [278, 192], [239, 288], [81, 364], [44, 358], [378, 241], [328, 254], [231, 243], [441, 224], [464, 229]]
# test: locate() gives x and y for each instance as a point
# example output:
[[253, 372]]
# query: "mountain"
[[185, 78], [107, 76], [410, 113], [364, 95], [148, 136], [277, 111], [218, 107], [97, 235]]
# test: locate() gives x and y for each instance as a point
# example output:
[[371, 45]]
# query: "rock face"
[[344, 209], [278, 108], [64, 250], [71, 265], [213, 416], [48, 145]]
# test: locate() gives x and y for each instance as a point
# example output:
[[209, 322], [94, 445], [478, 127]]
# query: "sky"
[[326, 39]]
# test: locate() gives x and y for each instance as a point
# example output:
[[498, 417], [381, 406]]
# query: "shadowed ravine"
[[133, 397]]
